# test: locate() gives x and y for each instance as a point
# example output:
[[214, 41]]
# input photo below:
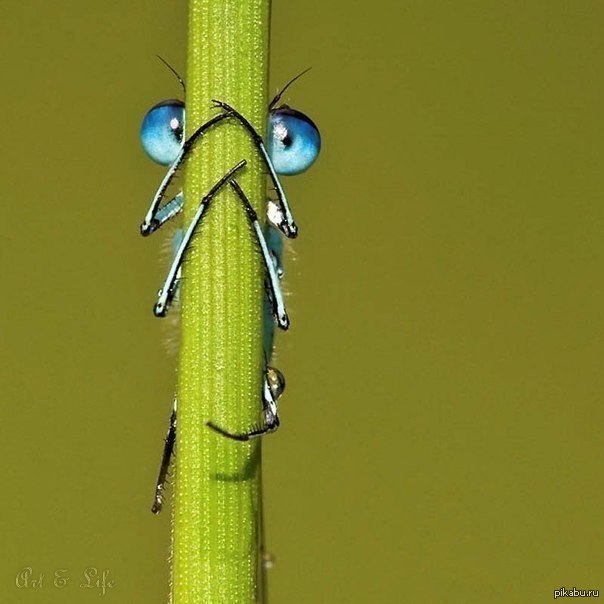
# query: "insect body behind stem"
[[293, 146]]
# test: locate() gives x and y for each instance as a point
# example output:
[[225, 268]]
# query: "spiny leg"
[[287, 225], [158, 501], [154, 218], [276, 295], [167, 292], [273, 386]]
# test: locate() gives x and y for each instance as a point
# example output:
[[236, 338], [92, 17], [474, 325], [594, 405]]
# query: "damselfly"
[[292, 147]]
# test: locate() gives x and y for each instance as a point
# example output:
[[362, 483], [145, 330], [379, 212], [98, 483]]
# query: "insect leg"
[[153, 218], [158, 501], [276, 296], [287, 225], [271, 418], [167, 292]]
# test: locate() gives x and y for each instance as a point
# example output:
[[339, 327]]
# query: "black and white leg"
[[157, 216], [280, 214], [158, 500], [167, 292], [274, 289], [166, 212], [285, 221], [273, 385]]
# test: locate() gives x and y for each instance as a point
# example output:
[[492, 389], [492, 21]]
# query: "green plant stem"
[[216, 529]]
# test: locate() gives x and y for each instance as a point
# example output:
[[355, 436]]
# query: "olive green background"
[[442, 426]]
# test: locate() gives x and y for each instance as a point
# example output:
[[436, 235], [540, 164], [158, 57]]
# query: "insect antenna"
[[182, 82], [280, 93]]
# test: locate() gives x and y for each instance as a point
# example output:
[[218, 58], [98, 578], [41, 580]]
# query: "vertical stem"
[[218, 490]]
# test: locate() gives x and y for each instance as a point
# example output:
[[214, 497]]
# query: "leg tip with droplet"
[[160, 310], [292, 230], [147, 228], [283, 321]]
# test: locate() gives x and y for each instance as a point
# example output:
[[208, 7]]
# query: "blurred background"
[[442, 427]]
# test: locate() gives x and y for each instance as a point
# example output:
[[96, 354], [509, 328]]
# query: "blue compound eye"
[[294, 141], [162, 131]]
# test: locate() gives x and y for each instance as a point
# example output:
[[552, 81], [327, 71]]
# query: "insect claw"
[[149, 227], [160, 309], [283, 321], [222, 105], [290, 230], [222, 432], [157, 505]]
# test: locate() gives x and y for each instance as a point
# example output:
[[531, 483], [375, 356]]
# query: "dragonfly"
[[292, 146]]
